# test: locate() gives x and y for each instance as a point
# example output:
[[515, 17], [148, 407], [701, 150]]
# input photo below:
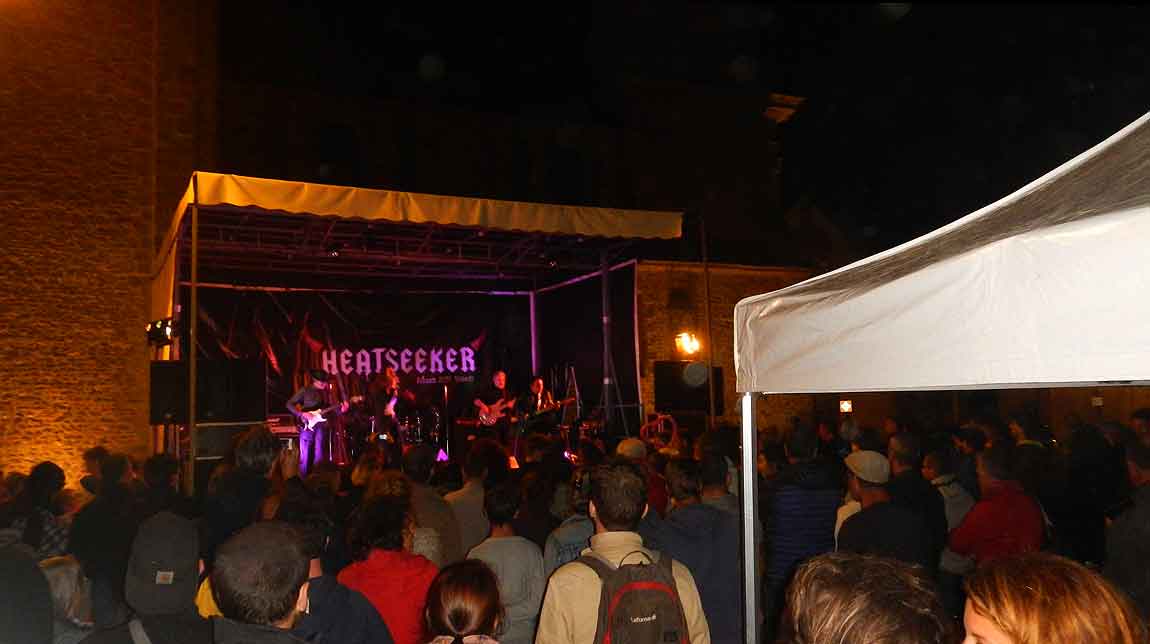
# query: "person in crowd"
[[14, 484], [1041, 598], [1128, 537], [93, 461], [869, 439], [160, 585], [573, 535], [635, 451], [1006, 520], [161, 476], [517, 563], [31, 518], [806, 495], [486, 463], [938, 468], [101, 540], [432, 510], [71, 599], [1140, 424], [969, 441], [881, 527], [25, 598], [908, 488], [335, 613], [534, 521], [618, 501], [891, 427], [259, 581], [385, 570], [392, 483], [706, 540], [859, 599], [831, 446], [238, 496], [464, 605]]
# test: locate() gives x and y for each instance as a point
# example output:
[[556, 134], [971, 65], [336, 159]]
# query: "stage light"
[[687, 344], [160, 332], [334, 249], [845, 407]]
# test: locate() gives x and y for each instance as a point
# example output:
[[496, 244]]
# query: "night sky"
[[914, 115]]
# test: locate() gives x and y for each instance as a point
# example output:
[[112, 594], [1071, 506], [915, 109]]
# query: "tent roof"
[[297, 234], [1044, 287]]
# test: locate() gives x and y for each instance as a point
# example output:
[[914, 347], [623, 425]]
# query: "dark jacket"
[[706, 540], [1128, 551], [161, 629], [337, 614], [102, 534], [802, 520], [916, 494]]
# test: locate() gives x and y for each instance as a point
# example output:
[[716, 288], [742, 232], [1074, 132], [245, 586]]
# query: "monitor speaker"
[[228, 391], [681, 386]]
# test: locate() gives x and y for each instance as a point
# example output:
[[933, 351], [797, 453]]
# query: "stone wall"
[[671, 300], [98, 116]]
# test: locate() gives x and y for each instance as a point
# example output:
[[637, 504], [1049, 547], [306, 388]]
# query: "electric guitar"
[[309, 419], [547, 408], [494, 412]]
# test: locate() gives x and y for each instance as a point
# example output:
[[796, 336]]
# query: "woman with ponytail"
[[33, 517], [463, 605]]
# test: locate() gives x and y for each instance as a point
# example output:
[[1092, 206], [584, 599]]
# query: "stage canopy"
[[1044, 287], [304, 235]]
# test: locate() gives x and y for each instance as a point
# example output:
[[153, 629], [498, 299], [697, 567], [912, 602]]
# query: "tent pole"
[[605, 290], [749, 496], [707, 316], [193, 318]]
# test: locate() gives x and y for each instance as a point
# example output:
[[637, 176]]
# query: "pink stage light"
[[441, 457]]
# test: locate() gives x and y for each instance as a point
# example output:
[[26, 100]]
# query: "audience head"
[[260, 575], [938, 463], [868, 470], [258, 450], [419, 462], [486, 460], [163, 571], [1041, 598], [464, 600], [905, 453], [581, 489], [1138, 462], [890, 427], [391, 483], [858, 599], [802, 443], [995, 464], [713, 472], [312, 524], [160, 471], [116, 470], [42, 485], [319, 378], [366, 467], [1022, 425], [869, 439], [618, 497], [1140, 421], [849, 429], [970, 439], [537, 446], [683, 480], [632, 449], [93, 458], [501, 503], [382, 523], [590, 455]]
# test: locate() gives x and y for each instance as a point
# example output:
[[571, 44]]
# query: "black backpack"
[[639, 603]]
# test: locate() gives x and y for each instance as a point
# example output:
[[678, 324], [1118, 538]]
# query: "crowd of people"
[[996, 534]]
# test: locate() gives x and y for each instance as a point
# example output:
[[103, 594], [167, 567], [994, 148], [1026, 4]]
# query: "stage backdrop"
[[434, 342]]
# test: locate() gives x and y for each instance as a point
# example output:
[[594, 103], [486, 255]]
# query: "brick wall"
[[671, 297], [82, 169]]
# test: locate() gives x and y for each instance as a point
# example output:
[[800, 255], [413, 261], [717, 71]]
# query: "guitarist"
[[495, 400], [311, 398]]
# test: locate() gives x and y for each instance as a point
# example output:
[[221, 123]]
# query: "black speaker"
[[228, 391], [681, 386]]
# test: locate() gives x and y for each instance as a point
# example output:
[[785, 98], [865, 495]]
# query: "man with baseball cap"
[[160, 586], [881, 527]]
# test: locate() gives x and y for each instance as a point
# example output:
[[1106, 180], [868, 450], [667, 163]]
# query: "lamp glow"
[[845, 407], [687, 343]]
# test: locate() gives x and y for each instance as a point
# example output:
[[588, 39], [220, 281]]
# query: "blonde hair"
[[1040, 598]]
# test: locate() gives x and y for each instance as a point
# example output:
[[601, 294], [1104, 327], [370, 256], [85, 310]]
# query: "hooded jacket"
[[396, 583], [706, 540]]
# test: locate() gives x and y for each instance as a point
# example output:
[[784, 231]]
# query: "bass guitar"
[[309, 419], [494, 412]]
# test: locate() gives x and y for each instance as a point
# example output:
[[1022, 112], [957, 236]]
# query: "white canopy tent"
[[1043, 288]]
